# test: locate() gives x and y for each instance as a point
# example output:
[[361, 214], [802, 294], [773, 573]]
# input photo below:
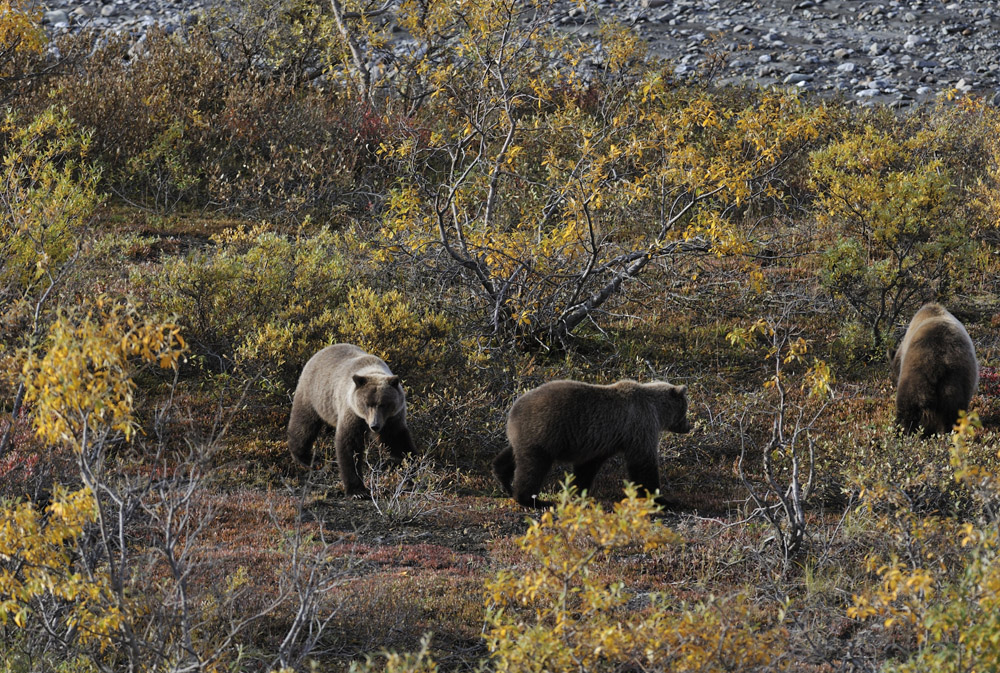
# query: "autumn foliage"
[[488, 200]]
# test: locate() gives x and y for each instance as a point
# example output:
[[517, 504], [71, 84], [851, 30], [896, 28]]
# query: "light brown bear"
[[354, 392], [585, 424], [935, 372]]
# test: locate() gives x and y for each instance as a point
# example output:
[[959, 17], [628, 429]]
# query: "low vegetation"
[[488, 205]]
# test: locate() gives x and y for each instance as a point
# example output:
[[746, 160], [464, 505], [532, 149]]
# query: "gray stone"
[[56, 17], [796, 78], [907, 45]]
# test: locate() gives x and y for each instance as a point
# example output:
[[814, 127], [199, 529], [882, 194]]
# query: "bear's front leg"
[[529, 474], [350, 445], [396, 437], [503, 469]]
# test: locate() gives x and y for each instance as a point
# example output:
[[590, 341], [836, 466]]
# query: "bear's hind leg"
[[940, 421], [503, 469], [396, 437], [909, 417], [350, 443], [912, 404], [584, 473], [304, 426], [529, 473], [644, 472]]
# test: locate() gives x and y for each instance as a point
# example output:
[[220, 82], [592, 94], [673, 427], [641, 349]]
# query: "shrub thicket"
[[500, 205]]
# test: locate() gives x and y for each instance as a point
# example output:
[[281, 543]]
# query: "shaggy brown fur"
[[354, 392], [585, 424], [935, 372]]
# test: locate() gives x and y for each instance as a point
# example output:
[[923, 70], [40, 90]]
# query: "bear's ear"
[[359, 381], [681, 390], [393, 381]]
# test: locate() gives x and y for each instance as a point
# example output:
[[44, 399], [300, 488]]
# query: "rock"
[[797, 78], [56, 17], [910, 46]]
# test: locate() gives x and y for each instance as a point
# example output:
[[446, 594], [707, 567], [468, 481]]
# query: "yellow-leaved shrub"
[[893, 227], [564, 610], [81, 385], [940, 592], [37, 564], [393, 328], [80, 391]]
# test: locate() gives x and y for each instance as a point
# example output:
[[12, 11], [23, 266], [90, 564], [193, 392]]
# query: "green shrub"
[[255, 299], [892, 232]]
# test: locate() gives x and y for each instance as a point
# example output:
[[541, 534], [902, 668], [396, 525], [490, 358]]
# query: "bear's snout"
[[376, 421]]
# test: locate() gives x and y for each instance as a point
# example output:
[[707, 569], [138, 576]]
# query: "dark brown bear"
[[935, 372], [585, 424], [354, 392]]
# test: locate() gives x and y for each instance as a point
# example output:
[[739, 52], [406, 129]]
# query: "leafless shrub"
[[789, 456], [407, 491]]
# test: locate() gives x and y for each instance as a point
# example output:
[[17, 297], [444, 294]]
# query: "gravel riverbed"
[[891, 52]]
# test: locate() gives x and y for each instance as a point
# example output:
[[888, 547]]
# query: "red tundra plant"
[[989, 382], [20, 462]]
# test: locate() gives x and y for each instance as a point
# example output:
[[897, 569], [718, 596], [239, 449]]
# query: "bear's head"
[[672, 405], [377, 398]]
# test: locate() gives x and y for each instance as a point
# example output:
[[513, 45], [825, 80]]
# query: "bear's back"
[[938, 350], [570, 417], [326, 378]]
